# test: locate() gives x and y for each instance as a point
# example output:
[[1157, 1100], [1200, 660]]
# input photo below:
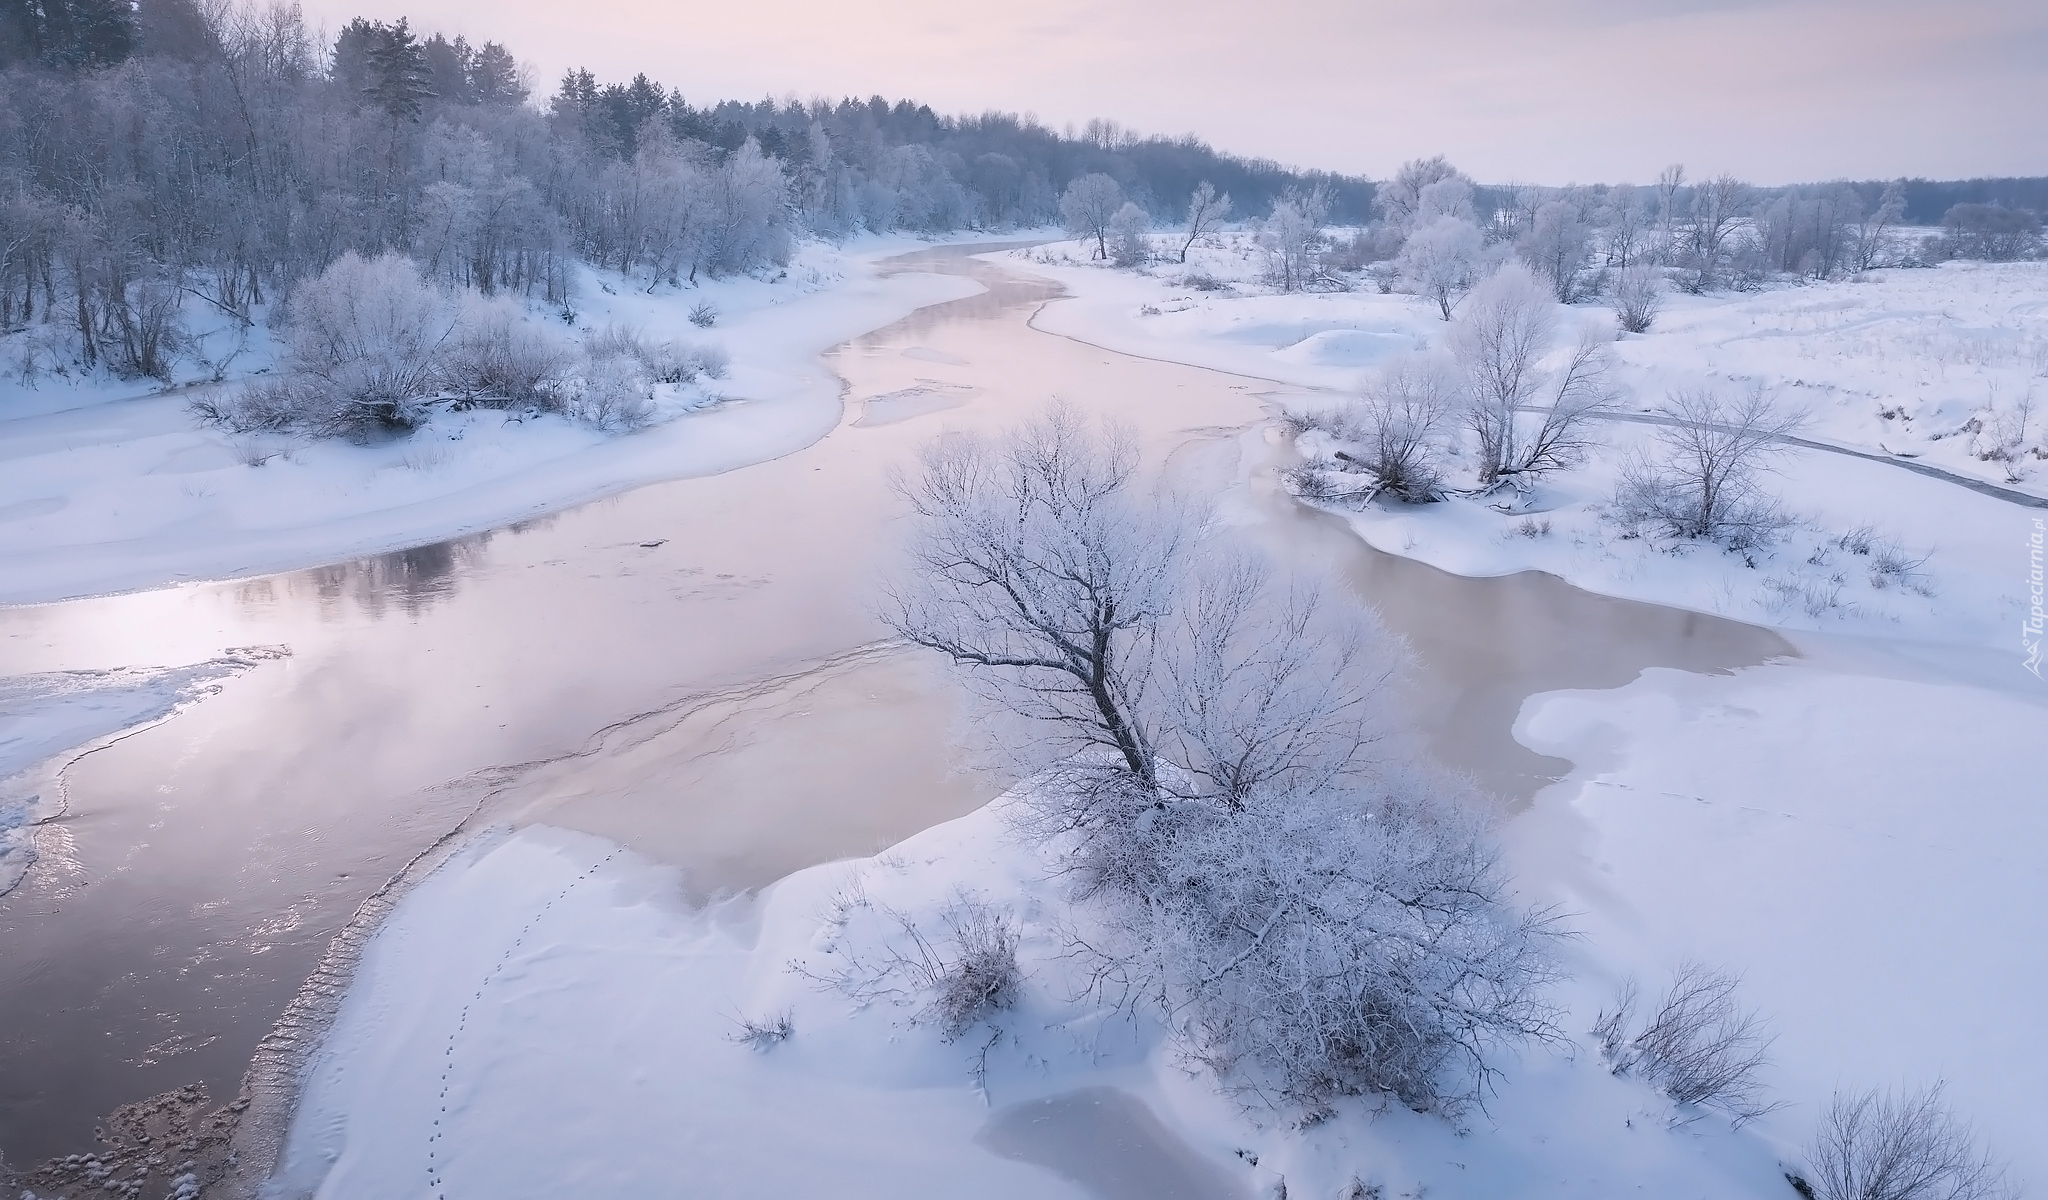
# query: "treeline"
[[159, 155]]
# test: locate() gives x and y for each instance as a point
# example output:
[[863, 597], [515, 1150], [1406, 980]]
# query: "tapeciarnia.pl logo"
[[2030, 633]]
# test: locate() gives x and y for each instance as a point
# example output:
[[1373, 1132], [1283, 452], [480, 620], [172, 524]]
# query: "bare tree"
[[1717, 206], [1699, 1047], [1299, 901], [1638, 296], [1528, 419], [1885, 1146], [1706, 483], [1403, 412], [1440, 261], [1206, 211], [1874, 239], [1038, 564], [1670, 181], [1088, 206]]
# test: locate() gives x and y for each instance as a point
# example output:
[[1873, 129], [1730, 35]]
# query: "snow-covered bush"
[[499, 358], [1705, 482], [957, 979], [1638, 296], [1127, 236], [1884, 1146], [1313, 945], [612, 391], [375, 346], [1698, 1047], [1216, 774], [371, 336]]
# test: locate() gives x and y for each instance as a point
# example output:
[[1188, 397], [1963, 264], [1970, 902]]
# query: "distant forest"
[[155, 153]]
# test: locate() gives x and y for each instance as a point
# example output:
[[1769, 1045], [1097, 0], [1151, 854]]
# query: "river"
[[692, 669]]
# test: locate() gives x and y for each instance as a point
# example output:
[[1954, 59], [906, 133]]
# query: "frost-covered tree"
[[1310, 912], [1206, 211], [1127, 231], [1624, 226], [1706, 480], [1441, 261], [1447, 197], [1556, 246], [1527, 418], [1292, 238], [1400, 199], [1670, 187], [1718, 205], [1874, 239], [1088, 206]]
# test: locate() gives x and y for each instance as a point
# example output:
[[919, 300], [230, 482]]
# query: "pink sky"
[[1539, 91]]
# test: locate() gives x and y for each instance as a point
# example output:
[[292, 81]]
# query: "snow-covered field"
[[1954, 355], [107, 486]]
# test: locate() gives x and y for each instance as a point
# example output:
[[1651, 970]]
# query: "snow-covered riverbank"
[[109, 486]]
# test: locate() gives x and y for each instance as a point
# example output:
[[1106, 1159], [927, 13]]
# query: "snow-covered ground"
[[1856, 832], [107, 486], [47, 721], [1954, 355], [1775, 822]]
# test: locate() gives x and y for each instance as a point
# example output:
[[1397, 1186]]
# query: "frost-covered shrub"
[[500, 358], [704, 315], [1638, 296], [1706, 480], [956, 979], [1400, 421], [1336, 943], [1127, 236], [1886, 1146], [663, 360], [612, 392], [1698, 1047], [372, 335]]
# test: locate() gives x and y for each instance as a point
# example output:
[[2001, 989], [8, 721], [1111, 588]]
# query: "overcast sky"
[[1535, 91]]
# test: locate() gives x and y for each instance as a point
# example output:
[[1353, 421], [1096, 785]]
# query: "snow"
[[549, 982], [48, 721], [1855, 831], [1944, 347], [1859, 836], [108, 486]]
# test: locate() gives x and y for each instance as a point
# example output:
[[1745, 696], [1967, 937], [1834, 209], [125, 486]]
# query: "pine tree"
[[398, 79]]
